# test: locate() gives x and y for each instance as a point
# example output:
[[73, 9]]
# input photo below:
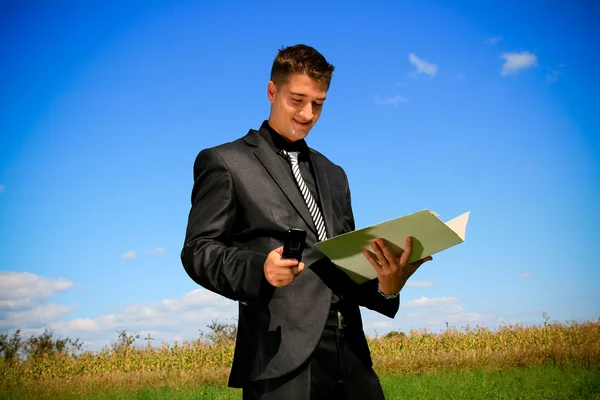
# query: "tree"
[[124, 341], [45, 344], [221, 333], [10, 346]]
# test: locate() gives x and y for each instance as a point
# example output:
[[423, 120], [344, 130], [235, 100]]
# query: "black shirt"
[[278, 142]]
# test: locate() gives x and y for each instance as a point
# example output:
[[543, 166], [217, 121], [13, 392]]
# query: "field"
[[550, 361]]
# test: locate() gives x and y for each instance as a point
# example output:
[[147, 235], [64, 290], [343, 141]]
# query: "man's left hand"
[[392, 271]]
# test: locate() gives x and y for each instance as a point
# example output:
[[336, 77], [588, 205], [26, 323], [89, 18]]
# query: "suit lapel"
[[276, 167], [323, 188]]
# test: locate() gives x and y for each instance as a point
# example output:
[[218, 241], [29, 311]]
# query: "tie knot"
[[291, 155]]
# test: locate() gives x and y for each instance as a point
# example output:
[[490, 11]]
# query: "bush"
[[44, 345]]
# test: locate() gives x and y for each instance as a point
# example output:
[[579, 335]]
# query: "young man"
[[300, 333]]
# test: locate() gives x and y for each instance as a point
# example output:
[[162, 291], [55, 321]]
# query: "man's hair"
[[301, 59]]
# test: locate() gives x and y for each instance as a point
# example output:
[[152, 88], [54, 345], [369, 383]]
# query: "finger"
[[286, 262], [382, 260], [285, 273], [299, 269], [423, 260], [277, 279], [414, 266], [373, 261], [387, 253], [405, 256], [279, 251], [290, 270]]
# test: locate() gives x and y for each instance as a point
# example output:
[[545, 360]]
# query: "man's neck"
[[282, 142]]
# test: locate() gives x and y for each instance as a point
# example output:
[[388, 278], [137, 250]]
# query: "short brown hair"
[[301, 59]]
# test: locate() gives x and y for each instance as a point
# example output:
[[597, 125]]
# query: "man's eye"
[[297, 101], [319, 105]]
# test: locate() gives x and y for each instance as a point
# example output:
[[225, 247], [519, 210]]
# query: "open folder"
[[430, 235]]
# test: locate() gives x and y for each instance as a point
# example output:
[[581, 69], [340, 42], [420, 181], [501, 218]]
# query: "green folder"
[[430, 236]]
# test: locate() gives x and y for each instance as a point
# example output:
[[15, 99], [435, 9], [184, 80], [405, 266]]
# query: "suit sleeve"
[[208, 255], [366, 294]]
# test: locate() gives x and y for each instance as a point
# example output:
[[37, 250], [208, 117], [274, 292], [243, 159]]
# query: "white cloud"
[[452, 315], [419, 284], [82, 324], [524, 276], [166, 320], [423, 67], [514, 62], [39, 315], [381, 324], [129, 255], [24, 296], [425, 301], [22, 289], [15, 304], [452, 308], [2, 188], [157, 250], [493, 40], [390, 101], [438, 316], [192, 300]]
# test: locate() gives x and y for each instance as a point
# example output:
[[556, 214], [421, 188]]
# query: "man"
[[300, 333]]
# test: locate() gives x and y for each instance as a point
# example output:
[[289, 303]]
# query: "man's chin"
[[299, 134], [301, 131]]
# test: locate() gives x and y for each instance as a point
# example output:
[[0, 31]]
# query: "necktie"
[[315, 213]]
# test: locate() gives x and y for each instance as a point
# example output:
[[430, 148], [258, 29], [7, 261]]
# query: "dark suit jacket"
[[243, 202]]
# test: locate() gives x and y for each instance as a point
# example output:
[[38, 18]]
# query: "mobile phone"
[[294, 244]]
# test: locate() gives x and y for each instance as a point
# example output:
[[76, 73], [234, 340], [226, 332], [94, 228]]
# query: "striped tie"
[[315, 213]]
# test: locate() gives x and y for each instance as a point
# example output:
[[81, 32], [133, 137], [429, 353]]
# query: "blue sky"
[[448, 106]]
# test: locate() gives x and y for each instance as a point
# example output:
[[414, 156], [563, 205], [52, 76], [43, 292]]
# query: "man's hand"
[[281, 271], [392, 271]]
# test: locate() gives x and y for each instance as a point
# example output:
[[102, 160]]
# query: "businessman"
[[300, 333]]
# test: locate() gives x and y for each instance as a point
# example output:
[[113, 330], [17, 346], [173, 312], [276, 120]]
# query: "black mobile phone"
[[294, 244]]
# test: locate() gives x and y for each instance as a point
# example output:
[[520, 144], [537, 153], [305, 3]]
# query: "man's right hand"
[[281, 271]]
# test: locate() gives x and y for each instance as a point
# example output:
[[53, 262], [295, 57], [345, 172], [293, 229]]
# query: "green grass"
[[205, 392], [522, 383], [208, 392], [536, 382]]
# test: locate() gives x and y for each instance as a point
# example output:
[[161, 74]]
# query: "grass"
[[523, 383], [517, 362], [535, 382]]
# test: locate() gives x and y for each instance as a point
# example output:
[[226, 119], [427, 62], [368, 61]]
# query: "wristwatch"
[[387, 296]]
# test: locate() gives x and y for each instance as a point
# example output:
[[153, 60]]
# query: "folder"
[[430, 236]]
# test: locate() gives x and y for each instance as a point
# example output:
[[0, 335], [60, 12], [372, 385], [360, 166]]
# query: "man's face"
[[296, 106]]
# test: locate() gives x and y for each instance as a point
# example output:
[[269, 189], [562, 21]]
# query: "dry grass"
[[509, 346], [84, 386], [196, 363]]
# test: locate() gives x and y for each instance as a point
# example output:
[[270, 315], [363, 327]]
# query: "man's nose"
[[307, 112]]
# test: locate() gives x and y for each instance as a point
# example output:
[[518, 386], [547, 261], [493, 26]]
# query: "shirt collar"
[[278, 142]]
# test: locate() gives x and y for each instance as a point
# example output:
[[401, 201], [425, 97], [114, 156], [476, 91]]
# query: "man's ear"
[[271, 89]]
